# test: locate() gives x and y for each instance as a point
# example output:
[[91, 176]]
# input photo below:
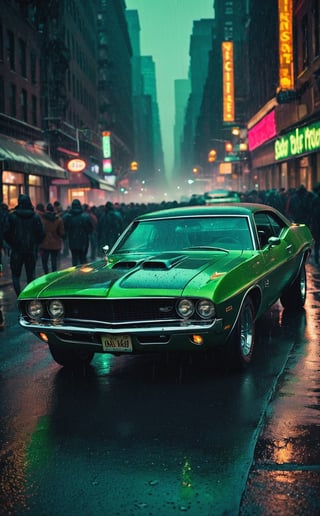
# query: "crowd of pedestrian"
[[49, 232]]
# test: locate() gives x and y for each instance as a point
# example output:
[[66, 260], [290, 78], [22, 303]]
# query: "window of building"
[[1, 42], [13, 100], [33, 67], [316, 18], [12, 186], [2, 95], [305, 41], [22, 57], [24, 105], [11, 50], [34, 114]]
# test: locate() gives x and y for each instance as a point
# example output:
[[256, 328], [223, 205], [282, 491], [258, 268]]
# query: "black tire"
[[241, 342], [71, 358], [295, 296]]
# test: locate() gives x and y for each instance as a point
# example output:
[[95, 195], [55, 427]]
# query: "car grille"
[[120, 310]]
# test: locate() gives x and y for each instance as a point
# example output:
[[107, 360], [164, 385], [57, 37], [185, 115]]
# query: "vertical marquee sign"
[[286, 80], [106, 151], [228, 81]]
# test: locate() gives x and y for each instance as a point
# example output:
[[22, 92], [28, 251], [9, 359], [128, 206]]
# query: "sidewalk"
[[284, 476]]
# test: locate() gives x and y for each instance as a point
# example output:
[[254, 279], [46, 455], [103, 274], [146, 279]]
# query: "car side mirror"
[[105, 249], [273, 240]]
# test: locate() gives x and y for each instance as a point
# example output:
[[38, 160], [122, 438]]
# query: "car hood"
[[130, 276]]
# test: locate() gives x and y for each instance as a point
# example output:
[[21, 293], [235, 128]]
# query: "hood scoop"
[[126, 264], [165, 261]]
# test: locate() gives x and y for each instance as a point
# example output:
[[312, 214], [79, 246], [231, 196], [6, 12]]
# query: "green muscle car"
[[182, 279]]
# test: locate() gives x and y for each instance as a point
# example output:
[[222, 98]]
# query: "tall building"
[[142, 105], [199, 51], [115, 85], [148, 140], [224, 102], [65, 78], [283, 120], [25, 165], [181, 95], [148, 71]]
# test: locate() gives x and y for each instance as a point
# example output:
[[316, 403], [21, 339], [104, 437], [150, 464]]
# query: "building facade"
[[25, 162]]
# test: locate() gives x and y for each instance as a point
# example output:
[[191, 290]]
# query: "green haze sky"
[[166, 26]]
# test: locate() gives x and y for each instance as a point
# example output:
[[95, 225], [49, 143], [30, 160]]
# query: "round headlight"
[[205, 309], [56, 309], [35, 309], [185, 308]]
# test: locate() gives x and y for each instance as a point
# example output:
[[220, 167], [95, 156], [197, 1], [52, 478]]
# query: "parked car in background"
[[183, 279], [218, 196]]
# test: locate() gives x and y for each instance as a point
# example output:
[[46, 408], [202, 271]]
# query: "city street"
[[162, 435]]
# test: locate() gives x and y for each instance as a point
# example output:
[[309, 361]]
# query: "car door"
[[277, 259]]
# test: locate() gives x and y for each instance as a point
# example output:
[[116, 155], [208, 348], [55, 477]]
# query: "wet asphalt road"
[[163, 435]]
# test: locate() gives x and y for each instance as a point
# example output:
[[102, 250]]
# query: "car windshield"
[[176, 234]]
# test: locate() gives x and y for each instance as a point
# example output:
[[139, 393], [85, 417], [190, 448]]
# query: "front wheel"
[[241, 342], [72, 358], [295, 296]]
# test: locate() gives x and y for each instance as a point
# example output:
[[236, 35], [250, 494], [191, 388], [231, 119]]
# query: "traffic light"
[[228, 147], [134, 166], [212, 155]]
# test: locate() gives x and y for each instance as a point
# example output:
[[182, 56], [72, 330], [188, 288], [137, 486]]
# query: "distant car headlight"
[[56, 309], [185, 308], [206, 309], [34, 309]]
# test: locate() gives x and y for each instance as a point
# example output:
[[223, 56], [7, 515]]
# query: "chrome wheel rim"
[[246, 332]]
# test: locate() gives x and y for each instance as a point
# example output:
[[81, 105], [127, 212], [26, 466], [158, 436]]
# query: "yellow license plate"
[[116, 343]]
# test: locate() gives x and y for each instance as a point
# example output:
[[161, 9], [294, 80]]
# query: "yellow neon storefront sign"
[[228, 81], [286, 80]]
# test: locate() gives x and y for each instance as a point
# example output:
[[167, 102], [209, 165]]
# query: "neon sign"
[[286, 80], [228, 81], [263, 131], [76, 165], [300, 141]]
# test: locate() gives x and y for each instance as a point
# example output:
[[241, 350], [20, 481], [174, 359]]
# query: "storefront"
[[86, 186], [300, 149], [26, 168]]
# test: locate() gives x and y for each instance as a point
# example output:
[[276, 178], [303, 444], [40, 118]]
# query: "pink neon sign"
[[262, 131]]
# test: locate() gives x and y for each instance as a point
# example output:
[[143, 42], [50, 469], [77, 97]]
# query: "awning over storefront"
[[101, 183], [21, 157], [85, 179]]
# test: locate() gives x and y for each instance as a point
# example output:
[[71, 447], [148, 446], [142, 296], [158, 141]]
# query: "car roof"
[[215, 209]]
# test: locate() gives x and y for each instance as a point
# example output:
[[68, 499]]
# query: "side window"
[[264, 228], [276, 224], [268, 224]]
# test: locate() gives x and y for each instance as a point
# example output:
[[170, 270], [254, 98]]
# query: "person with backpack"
[[24, 233]]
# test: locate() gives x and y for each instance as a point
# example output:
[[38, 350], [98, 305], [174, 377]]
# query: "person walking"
[[299, 206], [24, 233], [78, 227], [51, 245], [109, 226], [91, 211]]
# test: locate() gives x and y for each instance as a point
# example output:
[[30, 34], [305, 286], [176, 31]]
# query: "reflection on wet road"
[[285, 478], [144, 435]]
